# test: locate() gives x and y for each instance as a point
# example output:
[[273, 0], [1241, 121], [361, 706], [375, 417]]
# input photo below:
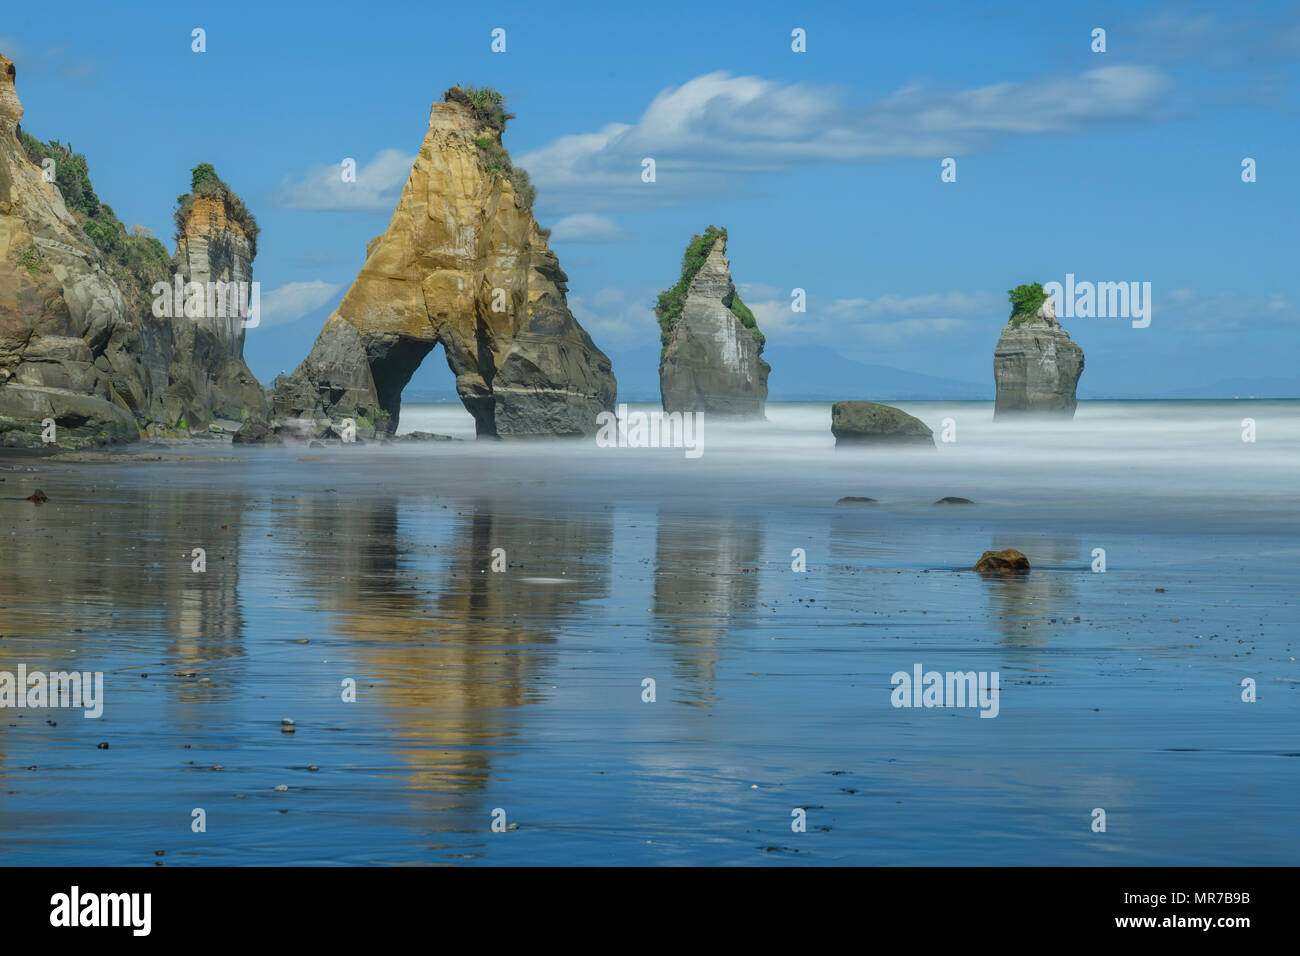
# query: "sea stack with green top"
[[712, 348], [1035, 365]]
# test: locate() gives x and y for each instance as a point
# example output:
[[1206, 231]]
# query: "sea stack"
[[216, 240], [1035, 365], [712, 356], [462, 264]]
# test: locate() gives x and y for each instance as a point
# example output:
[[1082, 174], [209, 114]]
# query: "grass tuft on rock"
[[1026, 300], [33, 260], [488, 107], [206, 184]]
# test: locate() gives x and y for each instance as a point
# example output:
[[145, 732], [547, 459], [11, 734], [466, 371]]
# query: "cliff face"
[[462, 264], [712, 362], [63, 324], [75, 345], [1036, 366]]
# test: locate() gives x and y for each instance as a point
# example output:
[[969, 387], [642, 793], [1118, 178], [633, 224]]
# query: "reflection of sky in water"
[[522, 689]]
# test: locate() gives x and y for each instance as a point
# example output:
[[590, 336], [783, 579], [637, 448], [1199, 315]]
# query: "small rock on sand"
[[1008, 559]]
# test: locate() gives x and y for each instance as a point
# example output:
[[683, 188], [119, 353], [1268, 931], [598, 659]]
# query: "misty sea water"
[[519, 694]]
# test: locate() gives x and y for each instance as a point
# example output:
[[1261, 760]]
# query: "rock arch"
[[464, 265]]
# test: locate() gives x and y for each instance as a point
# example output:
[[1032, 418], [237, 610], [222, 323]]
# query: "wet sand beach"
[[522, 690]]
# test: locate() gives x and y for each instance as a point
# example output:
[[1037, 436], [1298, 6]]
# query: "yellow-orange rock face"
[[463, 264]]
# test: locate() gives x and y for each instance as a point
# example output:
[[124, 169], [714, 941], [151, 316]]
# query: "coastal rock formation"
[[1035, 365], [65, 339], [712, 359], [462, 264], [78, 342], [216, 240], [860, 423]]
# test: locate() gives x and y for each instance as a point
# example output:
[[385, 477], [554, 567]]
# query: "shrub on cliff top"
[[1026, 300], [71, 173], [488, 105], [205, 183], [671, 301]]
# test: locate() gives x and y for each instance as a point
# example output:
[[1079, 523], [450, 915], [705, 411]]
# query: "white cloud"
[[587, 227], [291, 302], [1239, 39], [715, 128], [1190, 311], [885, 320], [378, 185]]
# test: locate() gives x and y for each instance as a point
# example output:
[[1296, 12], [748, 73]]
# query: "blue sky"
[[824, 165]]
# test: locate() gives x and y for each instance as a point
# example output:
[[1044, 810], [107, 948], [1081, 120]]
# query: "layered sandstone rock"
[[214, 247], [711, 361], [1036, 366], [63, 327], [78, 347], [462, 264]]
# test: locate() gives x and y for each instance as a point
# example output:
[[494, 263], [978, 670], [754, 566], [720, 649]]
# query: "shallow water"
[[522, 690]]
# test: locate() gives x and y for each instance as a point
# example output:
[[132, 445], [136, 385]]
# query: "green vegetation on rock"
[[489, 108], [206, 184], [741, 311], [671, 301], [1026, 300], [488, 105], [136, 260], [33, 260]]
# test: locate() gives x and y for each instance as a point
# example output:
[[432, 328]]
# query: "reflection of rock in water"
[[1021, 606], [706, 581], [106, 573], [122, 563], [453, 648]]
